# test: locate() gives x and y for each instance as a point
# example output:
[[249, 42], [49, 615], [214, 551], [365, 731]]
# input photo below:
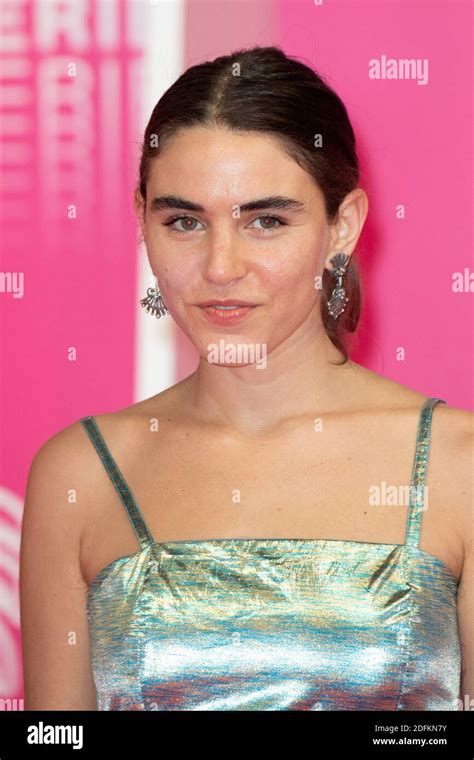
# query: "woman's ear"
[[139, 204], [345, 232]]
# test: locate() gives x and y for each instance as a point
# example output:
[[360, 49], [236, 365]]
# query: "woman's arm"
[[463, 486], [466, 629], [53, 593]]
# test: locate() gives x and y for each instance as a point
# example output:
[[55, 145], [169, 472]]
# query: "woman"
[[257, 564]]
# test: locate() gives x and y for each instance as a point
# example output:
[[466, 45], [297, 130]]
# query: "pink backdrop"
[[72, 82]]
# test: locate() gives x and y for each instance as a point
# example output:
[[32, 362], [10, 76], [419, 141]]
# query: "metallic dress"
[[275, 624]]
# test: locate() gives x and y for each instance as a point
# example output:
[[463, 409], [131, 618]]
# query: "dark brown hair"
[[261, 89]]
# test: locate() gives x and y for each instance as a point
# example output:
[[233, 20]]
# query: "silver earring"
[[153, 302], [337, 302]]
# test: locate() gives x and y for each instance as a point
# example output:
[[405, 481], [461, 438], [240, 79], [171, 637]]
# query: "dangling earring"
[[153, 302], [338, 300]]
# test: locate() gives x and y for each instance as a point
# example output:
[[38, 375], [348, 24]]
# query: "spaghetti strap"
[[135, 516], [418, 478]]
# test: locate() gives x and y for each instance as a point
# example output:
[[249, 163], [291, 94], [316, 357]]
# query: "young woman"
[[232, 546]]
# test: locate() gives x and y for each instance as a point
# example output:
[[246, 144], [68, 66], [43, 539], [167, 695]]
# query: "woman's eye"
[[188, 222], [269, 219]]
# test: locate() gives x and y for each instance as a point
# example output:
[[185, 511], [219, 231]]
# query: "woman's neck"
[[300, 378]]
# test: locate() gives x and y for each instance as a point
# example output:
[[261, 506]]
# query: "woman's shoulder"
[[451, 452], [127, 425], [378, 392], [67, 470], [69, 449], [452, 428]]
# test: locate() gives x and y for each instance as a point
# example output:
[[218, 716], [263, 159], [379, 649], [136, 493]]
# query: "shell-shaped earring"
[[337, 302], [153, 302]]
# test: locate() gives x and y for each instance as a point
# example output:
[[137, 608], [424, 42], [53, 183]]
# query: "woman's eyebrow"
[[275, 201]]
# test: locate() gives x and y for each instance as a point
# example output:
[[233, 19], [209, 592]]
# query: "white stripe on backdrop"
[[162, 30]]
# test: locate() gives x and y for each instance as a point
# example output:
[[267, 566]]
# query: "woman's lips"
[[226, 316]]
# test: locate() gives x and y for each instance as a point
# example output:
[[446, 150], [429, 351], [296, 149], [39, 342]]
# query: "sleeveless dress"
[[275, 624]]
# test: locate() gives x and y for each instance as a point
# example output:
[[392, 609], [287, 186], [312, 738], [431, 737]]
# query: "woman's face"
[[223, 251]]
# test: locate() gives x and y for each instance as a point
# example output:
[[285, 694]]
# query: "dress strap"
[[418, 479], [135, 516]]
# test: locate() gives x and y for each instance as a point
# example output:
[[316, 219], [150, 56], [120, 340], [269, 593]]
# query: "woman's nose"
[[224, 258]]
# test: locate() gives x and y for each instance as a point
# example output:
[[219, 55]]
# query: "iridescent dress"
[[275, 624]]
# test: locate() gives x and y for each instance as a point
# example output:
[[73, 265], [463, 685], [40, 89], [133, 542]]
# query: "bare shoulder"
[[67, 463], [60, 456], [373, 392], [451, 458], [66, 482], [452, 442], [64, 460], [377, 392], [60, 481], [126, 427], [452, 428]]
